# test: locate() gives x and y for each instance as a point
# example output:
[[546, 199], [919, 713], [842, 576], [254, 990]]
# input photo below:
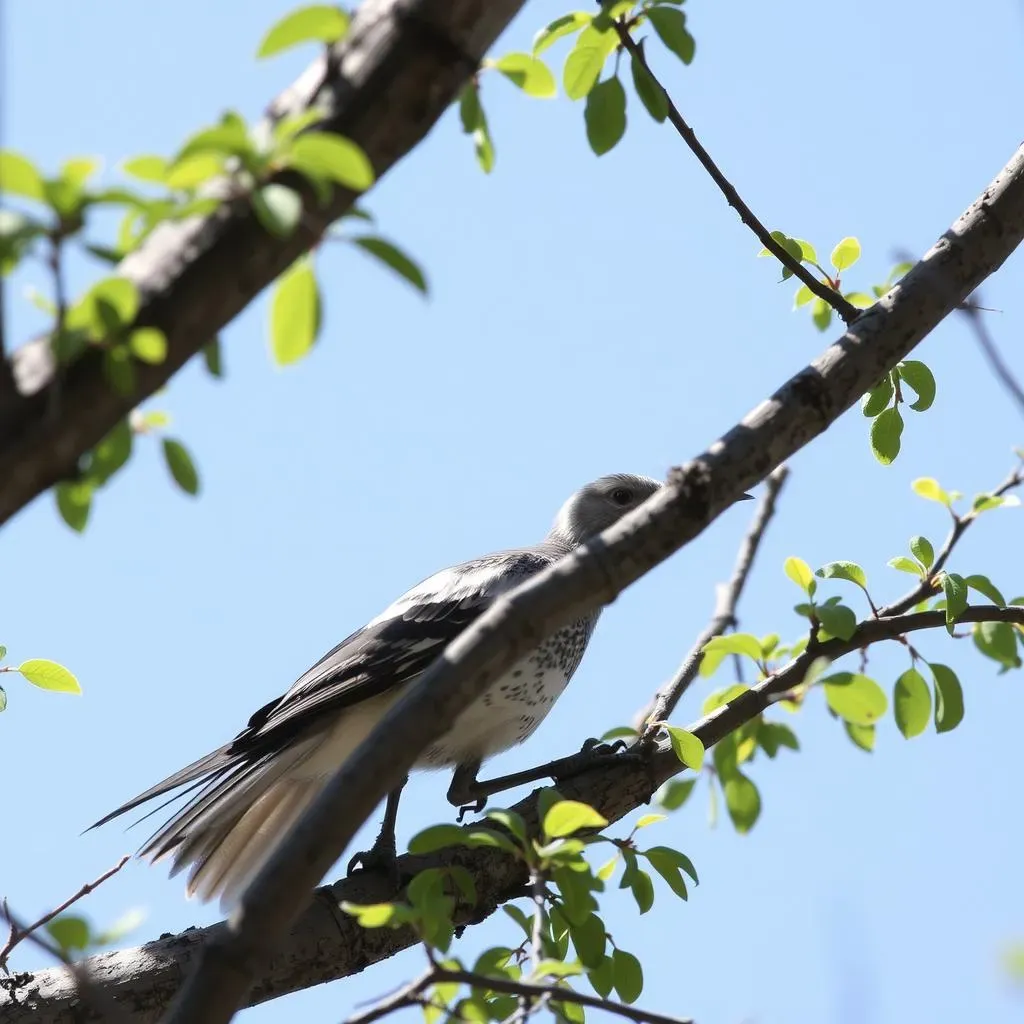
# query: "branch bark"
[[977, 244], [384, 86], [327, 944]]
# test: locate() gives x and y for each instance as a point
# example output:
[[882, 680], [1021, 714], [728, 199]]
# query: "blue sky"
[[586, 316]]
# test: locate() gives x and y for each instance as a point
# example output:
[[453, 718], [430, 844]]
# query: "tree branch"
[[972, 310], [846, 310], [592, 576], [327, 944], [666, 699], [384, 86]]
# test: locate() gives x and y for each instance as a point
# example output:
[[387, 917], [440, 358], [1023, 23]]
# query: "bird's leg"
[[470, 794], [383, 855]]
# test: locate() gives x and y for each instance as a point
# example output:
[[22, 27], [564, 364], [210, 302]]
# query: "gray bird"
[[251, 790]]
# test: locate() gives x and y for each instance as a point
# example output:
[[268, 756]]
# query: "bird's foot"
[[596, 754], [381, 858]]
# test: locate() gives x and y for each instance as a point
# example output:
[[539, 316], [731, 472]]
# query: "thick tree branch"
[[846, 310], [728, 596], [327, 944], [385, 85], [978, 243]]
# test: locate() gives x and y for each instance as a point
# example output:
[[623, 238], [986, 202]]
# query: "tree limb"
[[972, 310], [593, 575], [327, 944], [666, 699], [384, 86]]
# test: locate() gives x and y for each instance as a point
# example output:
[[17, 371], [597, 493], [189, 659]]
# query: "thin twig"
[[846, 310], [972, 310], [18, 933], [666, 699], [409, 996], [926, 588]]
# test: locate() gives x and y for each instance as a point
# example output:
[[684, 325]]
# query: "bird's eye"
[[622, 496]]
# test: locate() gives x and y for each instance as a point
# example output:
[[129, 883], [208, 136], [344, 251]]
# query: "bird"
[[250, 791]]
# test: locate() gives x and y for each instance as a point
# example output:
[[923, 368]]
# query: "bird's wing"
[[388, 652]]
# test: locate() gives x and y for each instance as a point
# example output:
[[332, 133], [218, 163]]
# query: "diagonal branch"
[[327, 944], [846, 310], [972, 310], [666, 699], [593, 575], [384, 85]]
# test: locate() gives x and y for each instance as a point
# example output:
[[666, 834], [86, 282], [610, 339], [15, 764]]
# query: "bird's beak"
[[745, 497]]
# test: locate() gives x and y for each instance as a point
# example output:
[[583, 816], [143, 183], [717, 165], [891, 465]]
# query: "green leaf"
[[294, 313], [48, 675], [3, 699], [126, 923], [602, 977], [527, 73], [566, 25], [855, 698], [927, 487], [649, 819], [437, 837], [998, 641], [605, 115], [664, 857], [800, 573], [147, 168], [773, 735], [734, 643], [510, 820], [675, 793], [212, 358], [191, 171], [111, 453], [920, 378], [911, 703], [954, 588], [984, 586], [149, 344], [181, 467], [886, 431], [471, 113], [838, 620], [878, 398], [921, 549], [581, 71], [821, 314], [377, 915], [19, 176], [3, 652], [74, 500], [849, 571], [647, 88], [949, 698], [863, 736], [327, 157], [905, 564], [642, 887], [569, 816], [278, 208], [588, 939], [671, 28], [394, 258], [721, 697], [323, 23], [742, 800], [687, 747], [109, 306], [70, 932], [802, 297], [846, 253], [628, 975], [859, 299]]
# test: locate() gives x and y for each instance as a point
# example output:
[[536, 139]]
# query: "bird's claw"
[[597, 754], [471, 807], [380, 859]]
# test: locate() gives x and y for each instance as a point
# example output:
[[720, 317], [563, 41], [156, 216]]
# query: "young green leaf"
[[605, 115], [949, 697], [148, 344], [322, 23], [800, 573], [648, 89], [687, 747], [393, 257], [675, 793], [802, 297], [743, 801], [294, 313], [821, 314], [862, 736], [921, 548], [734, 643], [437, 837], [278, 208], [628, 975], [111, 453], [70, 932], [905, 564], [998, 641], [569, 816], [527, 73], [911, 703], [327, 157], [849, 571], [846, 253], [920, 378], [74, 500], [855, 698], [181, 466], [886, 432], [878, 398], [954, 588], [48, 675], [837, 620], [213, 358], [984, 586], [671, 28], [581, 71], [928, 488], [566, 25], [150, 168], [19, 176]]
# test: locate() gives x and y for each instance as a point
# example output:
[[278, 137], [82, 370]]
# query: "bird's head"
[[599, 504]]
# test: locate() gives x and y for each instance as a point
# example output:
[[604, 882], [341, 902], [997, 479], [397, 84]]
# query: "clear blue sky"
[[586, 316]]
